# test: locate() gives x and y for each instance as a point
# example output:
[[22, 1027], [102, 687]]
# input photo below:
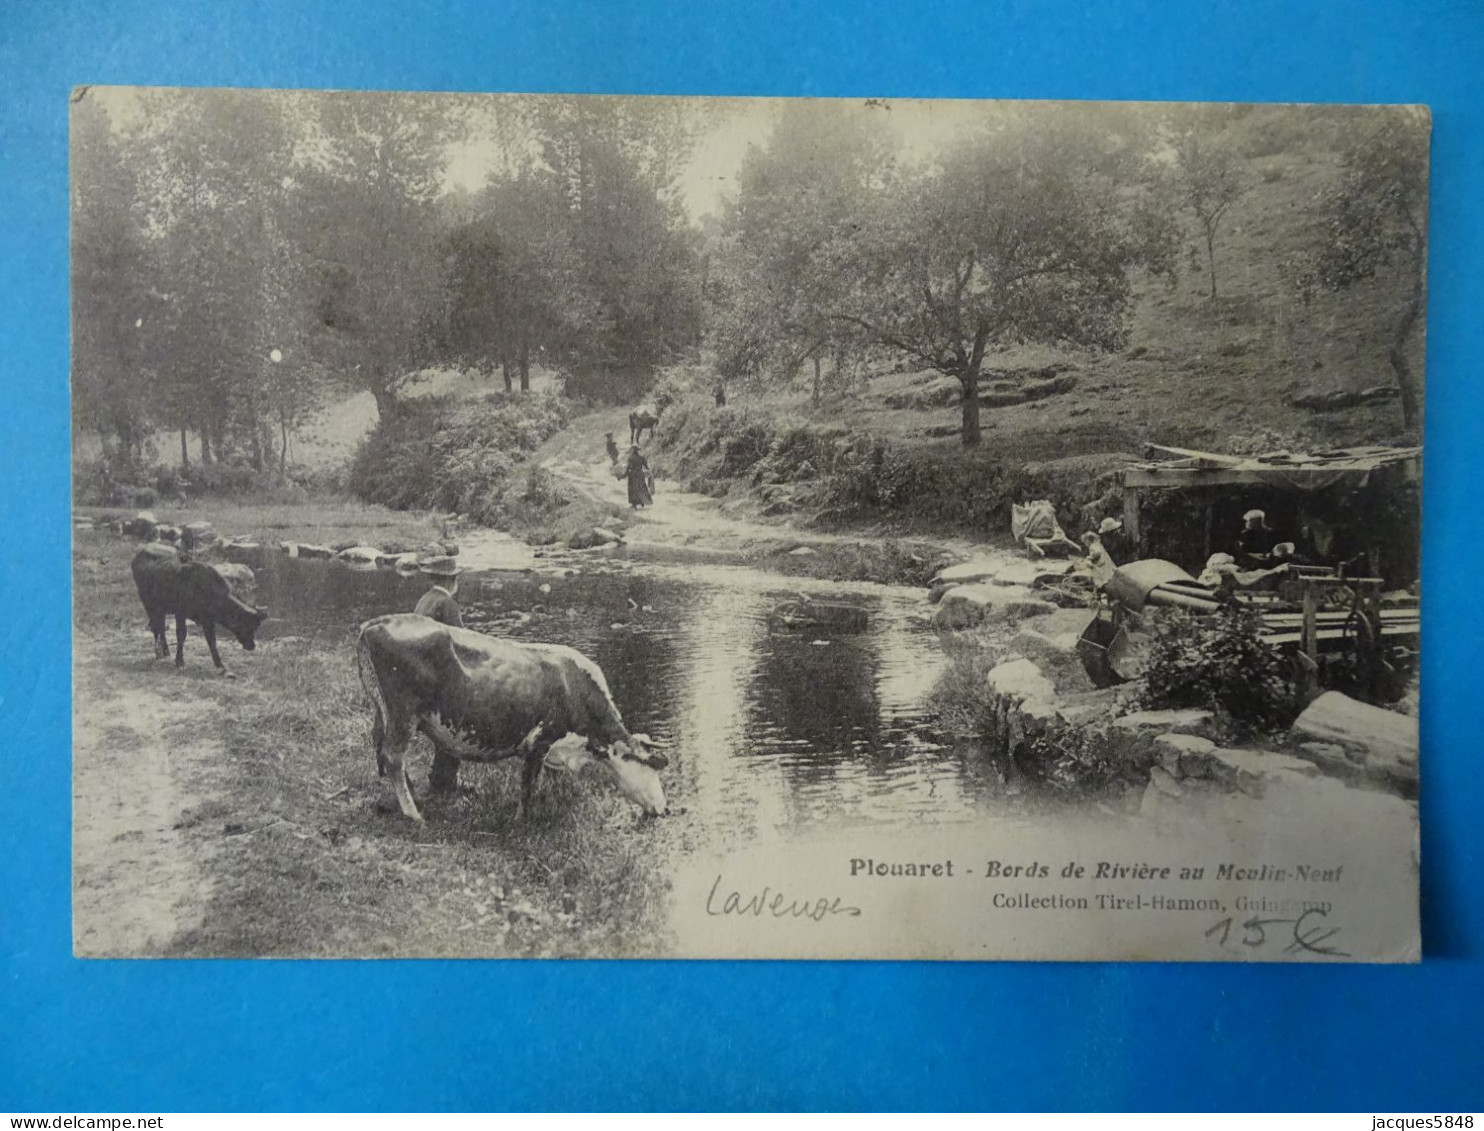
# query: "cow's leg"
[[445, 775], [398, 737], [180, 635], [209, 631], [378, 739], [534, 748], [157, 632]]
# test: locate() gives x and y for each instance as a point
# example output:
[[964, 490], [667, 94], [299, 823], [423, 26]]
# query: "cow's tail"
[[371, 682]]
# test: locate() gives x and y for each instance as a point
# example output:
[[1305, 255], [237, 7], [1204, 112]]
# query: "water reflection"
[[766, 730]]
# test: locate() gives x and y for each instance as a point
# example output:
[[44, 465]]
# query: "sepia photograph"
[[540, 526]]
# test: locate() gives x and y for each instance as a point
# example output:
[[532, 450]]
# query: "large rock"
[[1056, 653], [1186, 755], [360, 557], [1384, 742], [1023, 701], [1334, 760], [1061, 383], [1021, 680], [1188, 721], [244, 553], [1252, 771], [1000, 571], [194, 534], [142, 525], [1088, 708], [965, 606]]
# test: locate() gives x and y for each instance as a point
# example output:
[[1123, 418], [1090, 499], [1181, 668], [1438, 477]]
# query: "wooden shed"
[[1368, 493]]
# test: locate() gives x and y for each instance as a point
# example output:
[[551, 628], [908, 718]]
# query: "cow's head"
[[244, 624], [632, 766]]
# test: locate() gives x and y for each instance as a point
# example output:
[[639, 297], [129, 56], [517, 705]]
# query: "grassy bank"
[[300, 844], [325, 520], [764, 458]]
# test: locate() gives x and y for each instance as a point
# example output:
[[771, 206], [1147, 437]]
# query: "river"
[[770, 732]]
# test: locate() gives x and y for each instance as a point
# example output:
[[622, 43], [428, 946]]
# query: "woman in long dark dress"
[[641, 483]]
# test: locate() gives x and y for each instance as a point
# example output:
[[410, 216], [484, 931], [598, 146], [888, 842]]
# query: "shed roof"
[[1294, 471]]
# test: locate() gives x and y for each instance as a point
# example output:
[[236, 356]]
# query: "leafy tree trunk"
[[185, 458], [971, 433], [386, 402], [204, 432], [255, 446], [968, 378], [525, 368], [505, 367], [815, 398], [283, 443], [1398, 356]]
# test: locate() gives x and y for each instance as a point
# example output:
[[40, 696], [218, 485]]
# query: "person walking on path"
[[641, 482]]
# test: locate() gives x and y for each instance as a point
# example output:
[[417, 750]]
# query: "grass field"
[[263, 789]]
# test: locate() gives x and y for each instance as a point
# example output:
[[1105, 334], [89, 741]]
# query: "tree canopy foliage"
[[241, 259]]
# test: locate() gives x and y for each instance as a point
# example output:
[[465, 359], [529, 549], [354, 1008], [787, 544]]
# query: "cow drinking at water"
[[170, 582], [483, 699]]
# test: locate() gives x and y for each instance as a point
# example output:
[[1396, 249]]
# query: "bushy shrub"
[[1221, 664], [452, 455]]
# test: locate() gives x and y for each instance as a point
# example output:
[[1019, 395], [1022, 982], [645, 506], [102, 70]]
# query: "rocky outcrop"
[[1355, 740], [142, 525], [244, 552], [1195, 780], [1152, 723], [998, 570], [362, 557], [1024, 704], [965, 606], [194, 535]]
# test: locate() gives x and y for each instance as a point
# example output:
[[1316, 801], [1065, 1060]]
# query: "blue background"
[[152, 1036]]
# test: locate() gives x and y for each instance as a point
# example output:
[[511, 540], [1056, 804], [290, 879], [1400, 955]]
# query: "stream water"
[[768, 730]]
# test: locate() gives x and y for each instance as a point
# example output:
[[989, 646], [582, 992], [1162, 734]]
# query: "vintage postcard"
[[541, 526]]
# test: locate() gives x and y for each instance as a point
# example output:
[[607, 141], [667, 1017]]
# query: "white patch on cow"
[[636, 781], [569, 753]]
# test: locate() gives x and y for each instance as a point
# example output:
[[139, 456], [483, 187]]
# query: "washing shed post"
[[1131, 527]]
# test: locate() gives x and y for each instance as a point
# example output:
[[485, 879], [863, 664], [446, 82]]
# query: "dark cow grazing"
[[645, 417], [483, 699], [170, 582]]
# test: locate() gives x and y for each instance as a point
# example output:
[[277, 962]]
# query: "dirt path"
[[575, 455], [136, 884]]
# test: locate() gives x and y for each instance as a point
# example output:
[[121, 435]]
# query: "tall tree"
[[214, 164], [800, 203], [1208, 177], [516, 278], [368, 226], [111, 283], [617, 161], [1376, 220], [1026, 232]]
